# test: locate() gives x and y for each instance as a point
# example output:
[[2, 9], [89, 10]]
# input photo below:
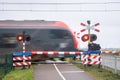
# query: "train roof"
[[32, 23], [26, 22]]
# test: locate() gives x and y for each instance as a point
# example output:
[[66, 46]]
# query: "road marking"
[[73, 71], [59, 72]]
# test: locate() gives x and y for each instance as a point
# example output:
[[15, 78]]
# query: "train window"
[[8, 40], [63, 34]]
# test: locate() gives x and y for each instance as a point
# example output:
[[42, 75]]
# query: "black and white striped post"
[[23, 47]]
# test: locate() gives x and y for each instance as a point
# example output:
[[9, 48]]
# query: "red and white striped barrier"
[[21, 58], [16, 64], [110, 52], [70, 52], [93, 59], [55, 53], [92, 62], [96, 57]]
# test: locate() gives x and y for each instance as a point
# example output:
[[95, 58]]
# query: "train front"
[[44, 36]]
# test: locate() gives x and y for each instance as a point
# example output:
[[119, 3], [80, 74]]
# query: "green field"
[[20, 74]]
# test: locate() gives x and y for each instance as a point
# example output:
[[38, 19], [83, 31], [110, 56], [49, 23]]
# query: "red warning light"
[[19, 37], [85, 37]]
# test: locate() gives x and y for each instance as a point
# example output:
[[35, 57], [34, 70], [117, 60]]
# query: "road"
[[60, 72]]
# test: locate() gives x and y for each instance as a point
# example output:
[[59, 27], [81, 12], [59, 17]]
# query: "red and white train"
[[44, 36]]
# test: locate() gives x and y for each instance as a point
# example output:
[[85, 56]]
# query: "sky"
[[105, 12]]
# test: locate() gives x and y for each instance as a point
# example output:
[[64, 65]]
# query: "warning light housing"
[[23, 38], [85, 37]]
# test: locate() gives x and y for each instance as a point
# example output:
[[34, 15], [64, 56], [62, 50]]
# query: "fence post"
[[6, 64], [115, 64], [103, 56], [99, 62]]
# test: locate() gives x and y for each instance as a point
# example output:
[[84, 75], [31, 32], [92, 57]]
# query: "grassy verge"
[[20, 74], [66, 59], [100, 74]]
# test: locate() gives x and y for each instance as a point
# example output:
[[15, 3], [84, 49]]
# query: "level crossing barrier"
[[75, 52], [91, 59], [21, 59], [56, 52], [24, 58], [110, 51]]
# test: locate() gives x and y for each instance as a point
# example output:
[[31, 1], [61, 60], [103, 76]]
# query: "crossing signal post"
[[24, 38], [90, 38], [88, 22], [89, 28]]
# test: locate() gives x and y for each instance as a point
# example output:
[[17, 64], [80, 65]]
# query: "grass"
[[66, 59], [99, 73], [20, 74]]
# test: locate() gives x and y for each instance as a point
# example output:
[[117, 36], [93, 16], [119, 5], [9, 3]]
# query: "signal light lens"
[[93, 37], [85, 37], [19, 37], [27, 38]]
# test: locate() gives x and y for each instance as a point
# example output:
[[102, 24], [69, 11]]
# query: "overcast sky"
[[106, 12]]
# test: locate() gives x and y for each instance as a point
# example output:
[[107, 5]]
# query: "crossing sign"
[[88, 27], [82, 24], [77, 35]]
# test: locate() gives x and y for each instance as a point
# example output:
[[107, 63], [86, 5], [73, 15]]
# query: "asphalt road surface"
[[60, 72]]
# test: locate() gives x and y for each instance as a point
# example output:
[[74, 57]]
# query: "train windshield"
[[41, 39]]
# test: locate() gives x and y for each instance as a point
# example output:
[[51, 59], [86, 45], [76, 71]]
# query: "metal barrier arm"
[[110, 51], [56, 52], [65, 52]]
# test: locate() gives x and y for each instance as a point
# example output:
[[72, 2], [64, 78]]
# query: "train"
[[43, 35]]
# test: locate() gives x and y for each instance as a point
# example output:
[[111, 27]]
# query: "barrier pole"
[[23, 48], [99, 62]]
